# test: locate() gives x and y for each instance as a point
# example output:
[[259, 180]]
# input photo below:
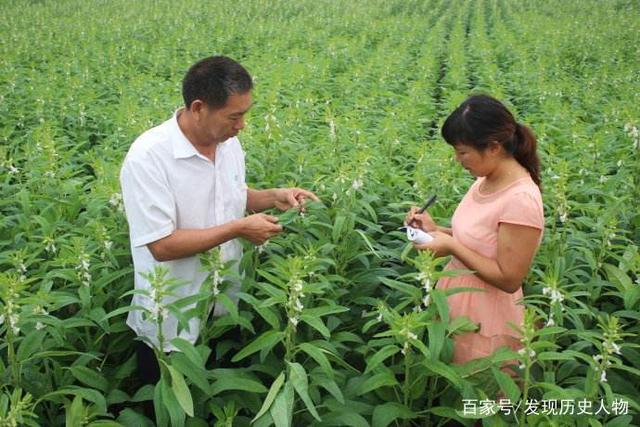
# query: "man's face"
[[220, 124]]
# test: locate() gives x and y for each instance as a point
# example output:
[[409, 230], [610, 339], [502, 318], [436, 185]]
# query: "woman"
[[497, 227]]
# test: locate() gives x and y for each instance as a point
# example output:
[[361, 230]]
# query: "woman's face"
[[478, 163]]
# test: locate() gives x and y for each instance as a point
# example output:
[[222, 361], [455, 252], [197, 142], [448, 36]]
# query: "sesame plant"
[[338, 321]]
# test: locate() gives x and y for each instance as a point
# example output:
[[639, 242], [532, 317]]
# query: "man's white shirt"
[[167, 185]]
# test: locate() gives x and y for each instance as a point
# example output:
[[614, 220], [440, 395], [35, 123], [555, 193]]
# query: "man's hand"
[[287, 198], [258, 228], [422, 221]]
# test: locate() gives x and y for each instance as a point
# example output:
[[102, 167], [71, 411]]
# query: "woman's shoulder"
[[524, 185]]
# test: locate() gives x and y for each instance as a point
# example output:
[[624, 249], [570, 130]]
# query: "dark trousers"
[[148, 369]]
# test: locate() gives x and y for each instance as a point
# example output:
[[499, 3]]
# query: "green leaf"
[[330, 385], [413, 291], [382, 379], [196, 374], [440, 299], [282, 409], [273, 392], [129, 417], [298, 377], [161, 411], [380, 356], [437, 335], [231, 306], [385, 414], [337, 227], [89, 394], [317, 324], [507, 385], [325, 310], [317, 354], [345, 419], [443, 370], [188, 350], [268, 339], [180, 390], [176, 413], [144, 393], [461, 324], [244, 384], [90, 377], [368, 243], [30, 344], [75, 413]]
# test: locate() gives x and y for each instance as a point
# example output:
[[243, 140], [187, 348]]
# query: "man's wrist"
[[236, 228]]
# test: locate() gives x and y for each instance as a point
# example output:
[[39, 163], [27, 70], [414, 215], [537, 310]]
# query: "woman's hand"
[[441, 245], [422, 221]]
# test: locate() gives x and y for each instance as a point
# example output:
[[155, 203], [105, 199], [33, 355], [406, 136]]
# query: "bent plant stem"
[[13, 362], [289, 343], [434, 384], [525, 388], [406, 387]]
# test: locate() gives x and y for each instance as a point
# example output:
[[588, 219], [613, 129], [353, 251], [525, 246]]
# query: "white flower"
[[108, 244], [405, 348], [379, 318], [50, 174], [412, 336], [297, 286], [357, 184], [611, 347], [50, 246], [116, 201], [603, 376], [426, 300], [40, 325], [597, 357], [550, 322], [1, 319], [616, 348], [294, 320], [532, 354], [298, 305], [332, 130], [13, 170]]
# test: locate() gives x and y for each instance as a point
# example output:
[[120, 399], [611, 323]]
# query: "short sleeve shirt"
[[168, 185], [476, 221]]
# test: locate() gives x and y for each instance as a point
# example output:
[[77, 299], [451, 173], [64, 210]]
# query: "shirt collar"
[[182, 148]]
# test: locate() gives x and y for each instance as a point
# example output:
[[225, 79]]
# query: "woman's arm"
[[517, 245]]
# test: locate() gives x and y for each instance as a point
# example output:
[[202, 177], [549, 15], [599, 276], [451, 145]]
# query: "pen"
[[429, 203]]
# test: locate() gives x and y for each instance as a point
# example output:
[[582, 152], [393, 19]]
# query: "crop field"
[[338, 323]]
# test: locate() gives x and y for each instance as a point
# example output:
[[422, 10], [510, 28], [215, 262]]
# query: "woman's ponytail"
[[525, 152], [482, 120]]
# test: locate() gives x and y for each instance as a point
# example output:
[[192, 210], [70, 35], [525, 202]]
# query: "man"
[[184, 191]]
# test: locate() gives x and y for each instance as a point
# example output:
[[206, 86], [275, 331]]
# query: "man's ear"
[[196, 107]]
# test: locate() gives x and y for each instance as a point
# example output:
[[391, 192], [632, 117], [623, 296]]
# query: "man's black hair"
[[213, 79]]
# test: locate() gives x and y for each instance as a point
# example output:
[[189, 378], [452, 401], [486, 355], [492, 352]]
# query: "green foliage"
[[339, 321]]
